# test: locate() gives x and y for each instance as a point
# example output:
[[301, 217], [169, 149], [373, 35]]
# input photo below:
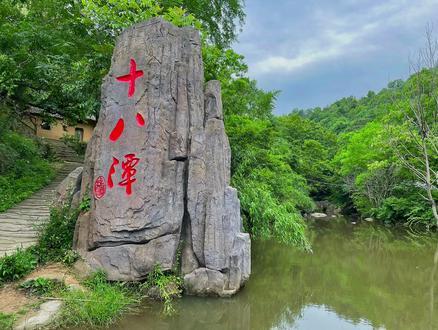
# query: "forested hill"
[[350, 114], [385, 161]]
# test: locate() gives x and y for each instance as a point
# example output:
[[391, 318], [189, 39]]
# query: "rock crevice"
[[161, 190]]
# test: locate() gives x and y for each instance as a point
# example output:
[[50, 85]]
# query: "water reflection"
[[357, 278], [313, 317]]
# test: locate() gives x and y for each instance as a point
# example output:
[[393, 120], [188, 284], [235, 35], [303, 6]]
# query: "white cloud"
[[335, 36], [332, 45]]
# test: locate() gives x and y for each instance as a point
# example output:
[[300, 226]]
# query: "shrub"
[[70, 257], [56, 236], [272, 195], [168, 286], [73, 142], [267, 217], [85, 204], [41, 286], [406, 210], [17, 265]]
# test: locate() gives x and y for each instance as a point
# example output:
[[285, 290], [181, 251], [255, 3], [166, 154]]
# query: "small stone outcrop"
[[317, 215], [45, 315], [69, 189], [157, 169]]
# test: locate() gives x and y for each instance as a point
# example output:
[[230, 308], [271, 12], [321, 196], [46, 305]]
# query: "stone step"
[[15, 218], [19, 225], [44, 202], [40, 199], [23, 213], [12, 245], [30, 211], [36, 208], [20, 235], [18, 215]]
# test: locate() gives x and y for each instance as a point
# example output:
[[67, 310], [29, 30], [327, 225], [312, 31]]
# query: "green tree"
[[420, 154], [272, 195], [54, 53], [48, 59], [312, 148], [220, 18]]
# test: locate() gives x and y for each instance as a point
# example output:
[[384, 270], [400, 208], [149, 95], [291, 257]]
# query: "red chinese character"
[[130, 78], [117, 130], [112, 171], [129, 172], [140, 119]]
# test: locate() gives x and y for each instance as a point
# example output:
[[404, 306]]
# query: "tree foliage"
[[220, 18], [375, 140], [272, 195], [54, 53]]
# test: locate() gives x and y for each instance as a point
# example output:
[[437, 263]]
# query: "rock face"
[[157, 169]]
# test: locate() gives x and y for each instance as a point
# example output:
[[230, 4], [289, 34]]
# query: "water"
[[358, 277]]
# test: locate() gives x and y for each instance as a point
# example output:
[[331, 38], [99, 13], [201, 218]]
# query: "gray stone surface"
[[317, 215], [205, 281], [181, 204], [46, 313], [132, 261]]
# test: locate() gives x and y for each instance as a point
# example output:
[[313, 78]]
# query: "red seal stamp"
[[99, 187]]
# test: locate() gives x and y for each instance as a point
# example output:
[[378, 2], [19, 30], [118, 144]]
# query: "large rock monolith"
[[157, 169]]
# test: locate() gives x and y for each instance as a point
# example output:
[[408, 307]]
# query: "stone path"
[[18, 225]]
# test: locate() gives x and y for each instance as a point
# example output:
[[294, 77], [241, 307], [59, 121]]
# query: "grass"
[[168, 286], [101, 304], [6, 320], [14, 190], [23, 169]]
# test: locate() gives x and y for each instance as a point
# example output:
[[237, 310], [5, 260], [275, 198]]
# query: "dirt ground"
[[56, 271], [14, 300]]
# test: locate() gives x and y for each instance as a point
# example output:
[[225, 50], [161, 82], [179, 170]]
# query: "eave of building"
[[39, 112]]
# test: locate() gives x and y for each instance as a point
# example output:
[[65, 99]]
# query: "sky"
[[316, 52]]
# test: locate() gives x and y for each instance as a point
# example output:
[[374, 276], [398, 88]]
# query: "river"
[[358, 277]]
